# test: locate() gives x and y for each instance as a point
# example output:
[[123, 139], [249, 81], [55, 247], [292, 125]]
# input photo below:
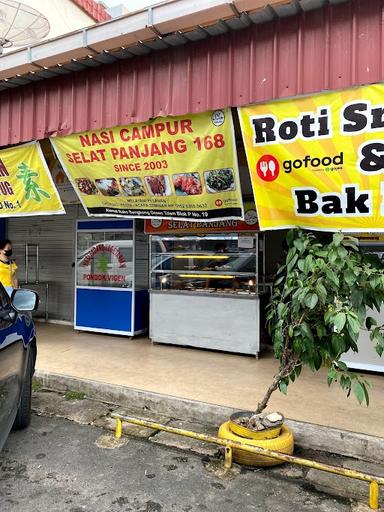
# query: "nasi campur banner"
[[318, 161], [175, 167], [26, 186]]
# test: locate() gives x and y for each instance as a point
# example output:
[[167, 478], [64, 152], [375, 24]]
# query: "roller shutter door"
[[55, 236]]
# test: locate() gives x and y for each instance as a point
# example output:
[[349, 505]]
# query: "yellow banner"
[[26, 186], [318, 161], [175, 167]]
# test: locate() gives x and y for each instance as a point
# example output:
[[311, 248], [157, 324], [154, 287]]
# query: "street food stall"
[[111, 292], [207, 284]]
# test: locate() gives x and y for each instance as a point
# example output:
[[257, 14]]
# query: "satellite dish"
[[20, 25]]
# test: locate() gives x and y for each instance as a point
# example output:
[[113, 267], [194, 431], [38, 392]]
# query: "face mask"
[[8, 252]]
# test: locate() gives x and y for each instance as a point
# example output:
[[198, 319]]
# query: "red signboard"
[[162, 226]]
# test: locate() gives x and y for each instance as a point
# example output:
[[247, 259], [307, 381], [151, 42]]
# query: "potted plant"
[[318, 307]]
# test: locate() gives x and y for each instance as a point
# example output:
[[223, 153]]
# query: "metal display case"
[[111, 293], [206, 291]]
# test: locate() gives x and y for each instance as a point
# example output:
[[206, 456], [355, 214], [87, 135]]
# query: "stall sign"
[[318, 161], [176, 167], [180, 227], [104, 264], [26, 186]]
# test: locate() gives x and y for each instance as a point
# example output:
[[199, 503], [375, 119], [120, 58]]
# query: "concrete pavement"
[[203, 376], [59, 466]]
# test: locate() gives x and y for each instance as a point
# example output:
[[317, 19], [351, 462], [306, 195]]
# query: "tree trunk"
[[282, 374]]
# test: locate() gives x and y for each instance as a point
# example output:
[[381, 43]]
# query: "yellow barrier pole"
[[374, 495], [119, 428], [350, 473]]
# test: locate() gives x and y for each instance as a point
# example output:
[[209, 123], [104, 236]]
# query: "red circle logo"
[[219, 202], [268, 168]]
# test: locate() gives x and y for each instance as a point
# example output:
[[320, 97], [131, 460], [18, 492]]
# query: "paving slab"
[[83, 411], [129, 429], [186, 443], [347, 487]]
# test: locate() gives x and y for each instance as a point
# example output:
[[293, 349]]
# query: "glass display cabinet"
[[212, 285], [111, 293]]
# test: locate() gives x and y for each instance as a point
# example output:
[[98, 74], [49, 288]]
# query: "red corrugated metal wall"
[[331, 48]]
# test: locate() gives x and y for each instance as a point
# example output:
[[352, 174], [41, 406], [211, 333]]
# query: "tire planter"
[[282, 443], [247, 433]]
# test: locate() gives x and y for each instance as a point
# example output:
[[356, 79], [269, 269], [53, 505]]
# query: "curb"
[[307, 435]]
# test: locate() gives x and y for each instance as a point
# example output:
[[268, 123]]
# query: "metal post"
[[228, 457], [26, 263], [37, 263]]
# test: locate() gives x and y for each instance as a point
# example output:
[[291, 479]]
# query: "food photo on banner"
[[317, 161], [26, 185], [175, 167]]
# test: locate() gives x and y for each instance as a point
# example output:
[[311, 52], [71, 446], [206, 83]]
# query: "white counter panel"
[[367, 358], [214, 322]]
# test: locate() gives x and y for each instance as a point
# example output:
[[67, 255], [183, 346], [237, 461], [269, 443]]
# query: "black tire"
[[23, 416]]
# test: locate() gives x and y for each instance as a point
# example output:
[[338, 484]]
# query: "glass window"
[[214, 263], [104, 259]]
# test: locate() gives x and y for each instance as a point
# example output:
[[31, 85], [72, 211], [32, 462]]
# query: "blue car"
[[17, 358]]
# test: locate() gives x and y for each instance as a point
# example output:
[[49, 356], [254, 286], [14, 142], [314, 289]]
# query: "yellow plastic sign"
[[318, 161], [26, 186], [176, 167]]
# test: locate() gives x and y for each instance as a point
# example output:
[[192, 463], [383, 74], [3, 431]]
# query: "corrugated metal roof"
[[330, 48], [170, 23]]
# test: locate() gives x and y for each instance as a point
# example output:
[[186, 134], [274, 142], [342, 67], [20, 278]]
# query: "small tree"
[[319, 306]]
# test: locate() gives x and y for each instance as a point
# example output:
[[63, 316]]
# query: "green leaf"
[[342, 366], [349, 277], [321, 331], [300, 264], [292, 263], [357, 297], [332, 376], [308, 264], [291, 253], [321, 291], [342, 252], [332, 276], [339, 321], [283, 387], [338, 344], [290, 237], [354, 324], [279, 280], [311, 300], [281, 309], [306, 330], [370, 322], [337, 238], [299, 244], [359, 392]]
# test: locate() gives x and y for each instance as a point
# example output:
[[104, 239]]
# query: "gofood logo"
[[268, 168]]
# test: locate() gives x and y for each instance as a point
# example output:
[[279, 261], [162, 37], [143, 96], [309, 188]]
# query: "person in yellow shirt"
[[7, 266]]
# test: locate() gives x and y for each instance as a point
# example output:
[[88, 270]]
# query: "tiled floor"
[[214, 377]]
